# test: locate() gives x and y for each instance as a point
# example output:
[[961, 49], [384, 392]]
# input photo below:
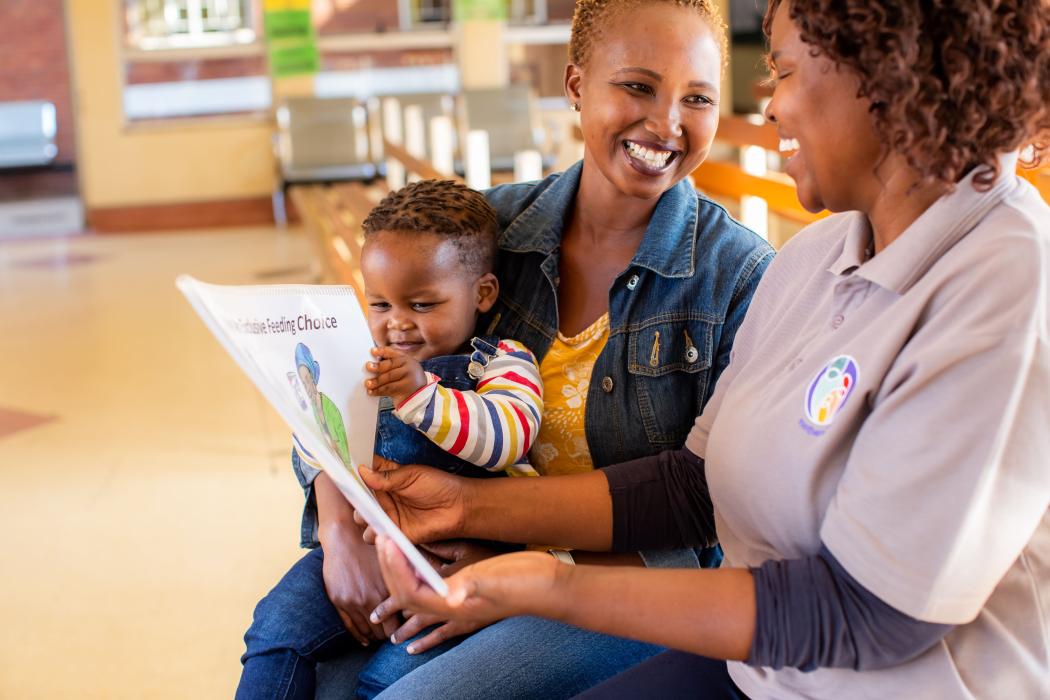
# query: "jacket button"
[[692, 354], [607, 384], [633, 282]]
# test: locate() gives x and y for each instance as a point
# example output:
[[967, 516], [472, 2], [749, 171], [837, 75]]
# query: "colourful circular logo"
[[829, 390]]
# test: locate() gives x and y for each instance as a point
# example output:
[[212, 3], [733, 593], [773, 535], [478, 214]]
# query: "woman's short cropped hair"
[[443, 208], [951, 84], [591, 15]]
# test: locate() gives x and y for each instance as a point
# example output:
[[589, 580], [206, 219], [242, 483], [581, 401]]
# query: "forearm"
[[574, 512], [334, 512], [661, 502], [706, 612]]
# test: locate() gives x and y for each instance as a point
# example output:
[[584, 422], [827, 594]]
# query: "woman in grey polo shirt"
[[874, 461]]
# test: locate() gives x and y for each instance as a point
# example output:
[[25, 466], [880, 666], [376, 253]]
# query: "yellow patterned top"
[[561, 446]]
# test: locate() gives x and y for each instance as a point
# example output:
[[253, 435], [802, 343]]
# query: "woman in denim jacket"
[[620, 238]]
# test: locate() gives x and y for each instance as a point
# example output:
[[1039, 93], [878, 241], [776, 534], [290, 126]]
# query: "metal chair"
[[319, 140], [509, 115], [27, 134]]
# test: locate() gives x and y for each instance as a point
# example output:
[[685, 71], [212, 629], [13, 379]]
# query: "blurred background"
[[146, 498]]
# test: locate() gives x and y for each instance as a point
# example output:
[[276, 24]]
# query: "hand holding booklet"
[[305, 348]]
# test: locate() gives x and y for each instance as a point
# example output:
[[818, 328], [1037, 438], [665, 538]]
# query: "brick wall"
[[359, 16], [33, 64]]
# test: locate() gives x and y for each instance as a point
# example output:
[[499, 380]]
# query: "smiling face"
[[648, 97], [422, 299], [824, 127]]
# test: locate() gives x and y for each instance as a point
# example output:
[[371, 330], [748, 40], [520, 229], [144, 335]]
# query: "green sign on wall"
[[291, 44], [479, 9]]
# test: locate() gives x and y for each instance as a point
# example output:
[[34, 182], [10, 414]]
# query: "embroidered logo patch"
[[829, 390]]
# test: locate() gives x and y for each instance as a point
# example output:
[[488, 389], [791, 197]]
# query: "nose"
[[665, 120], [769, 112], [398, 322]]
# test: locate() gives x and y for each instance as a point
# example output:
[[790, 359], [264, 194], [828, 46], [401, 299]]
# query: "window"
[[421, 14], [167, 24], [527, 11]]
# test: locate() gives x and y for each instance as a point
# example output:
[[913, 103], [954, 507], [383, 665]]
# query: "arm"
[[658, 501], [493, 427], [351, 572], [428, 504], [804, 613], [709, 612], [812, 613]]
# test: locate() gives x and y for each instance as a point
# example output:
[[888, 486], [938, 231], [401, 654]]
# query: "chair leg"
[[280, 212]]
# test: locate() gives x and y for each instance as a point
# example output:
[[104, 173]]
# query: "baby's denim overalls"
[[296, 618], [403, 443]]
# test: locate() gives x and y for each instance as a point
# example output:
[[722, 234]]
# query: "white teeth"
[[657, 159], [789, 145]]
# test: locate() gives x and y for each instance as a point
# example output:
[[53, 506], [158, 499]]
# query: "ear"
[[487, 288], [573, 75]]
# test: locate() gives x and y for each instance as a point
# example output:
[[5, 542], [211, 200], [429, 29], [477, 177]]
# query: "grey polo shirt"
[[898, 409]]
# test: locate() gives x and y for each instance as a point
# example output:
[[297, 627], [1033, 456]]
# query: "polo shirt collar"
[[941, 226], [668, 247]]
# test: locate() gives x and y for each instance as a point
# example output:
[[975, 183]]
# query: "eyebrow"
[[659, 78]]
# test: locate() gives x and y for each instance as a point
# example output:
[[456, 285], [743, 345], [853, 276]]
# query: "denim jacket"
[[673, 312]]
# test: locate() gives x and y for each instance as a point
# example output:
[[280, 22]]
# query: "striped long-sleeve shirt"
[[493, 426]]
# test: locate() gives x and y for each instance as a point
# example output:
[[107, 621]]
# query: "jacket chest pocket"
[[670, 364]]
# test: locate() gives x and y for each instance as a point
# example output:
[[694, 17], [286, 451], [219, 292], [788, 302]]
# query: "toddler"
[[468, 405]]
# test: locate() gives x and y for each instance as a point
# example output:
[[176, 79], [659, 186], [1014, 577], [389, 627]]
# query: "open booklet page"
[[305, 348]]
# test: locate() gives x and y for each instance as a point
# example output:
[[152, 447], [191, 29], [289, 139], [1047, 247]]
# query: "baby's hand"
[[397, 376]]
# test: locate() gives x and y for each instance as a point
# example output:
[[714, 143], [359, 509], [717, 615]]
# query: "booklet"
[[305, 348]]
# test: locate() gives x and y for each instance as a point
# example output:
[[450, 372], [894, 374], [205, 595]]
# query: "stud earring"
[[575, 106]]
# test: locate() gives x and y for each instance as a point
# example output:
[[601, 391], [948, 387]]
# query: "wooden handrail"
[[740, 131], [414, 165], [729, 180]]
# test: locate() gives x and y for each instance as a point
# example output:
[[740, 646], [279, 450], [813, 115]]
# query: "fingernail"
[[411, 649], [374, 617], [393, 639], [364, 644]]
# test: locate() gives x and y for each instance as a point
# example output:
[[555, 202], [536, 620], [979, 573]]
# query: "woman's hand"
[[455, 555], [490, 590], [426, 503]]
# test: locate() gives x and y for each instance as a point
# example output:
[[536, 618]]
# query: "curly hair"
[[591, 15], [444, 208], [951, 84]]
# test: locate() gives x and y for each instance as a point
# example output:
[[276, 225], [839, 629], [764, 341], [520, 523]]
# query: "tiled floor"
[[146, 501]]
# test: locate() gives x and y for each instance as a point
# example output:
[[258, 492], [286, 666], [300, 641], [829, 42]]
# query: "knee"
[[295, 613]]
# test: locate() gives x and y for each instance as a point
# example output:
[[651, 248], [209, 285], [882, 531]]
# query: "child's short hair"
[[444, 208]]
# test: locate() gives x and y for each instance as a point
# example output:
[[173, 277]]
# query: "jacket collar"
[[668, 247]]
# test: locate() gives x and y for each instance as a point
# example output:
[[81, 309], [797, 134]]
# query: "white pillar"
[[415, 136], [754, 211], [528, 166], [479, 174], [394, 133], [441, 147]]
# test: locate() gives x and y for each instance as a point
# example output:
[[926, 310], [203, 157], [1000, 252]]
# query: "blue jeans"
[[293, 628], [521, 657], [672, 675], [295, 655]]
